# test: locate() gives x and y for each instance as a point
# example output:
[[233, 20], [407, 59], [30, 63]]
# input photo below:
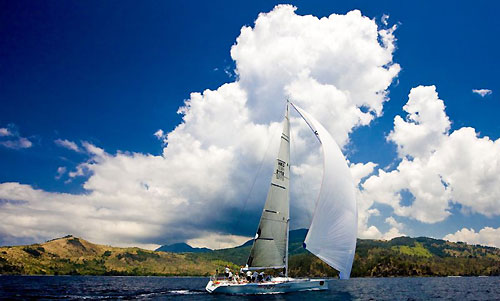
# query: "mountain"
[[71, 255], [402, 256], [423, 256], [182, 248]]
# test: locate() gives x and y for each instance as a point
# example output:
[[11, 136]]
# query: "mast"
[[270, 245], [287, 240], [287, 120]]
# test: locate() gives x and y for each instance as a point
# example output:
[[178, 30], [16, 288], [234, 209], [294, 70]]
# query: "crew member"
[[260, 277], [254, 276]]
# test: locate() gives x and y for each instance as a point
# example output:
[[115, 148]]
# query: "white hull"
[[276, 286]]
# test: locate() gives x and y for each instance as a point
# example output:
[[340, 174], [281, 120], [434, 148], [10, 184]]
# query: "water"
[[192, 288]]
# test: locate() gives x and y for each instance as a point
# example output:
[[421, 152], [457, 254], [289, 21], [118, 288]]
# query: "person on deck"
[[261, 277], [249, 276], [254, 276], [226, 271]]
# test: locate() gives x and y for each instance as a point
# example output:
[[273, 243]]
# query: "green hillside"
[[402, 256], [74, 256], [422, 256]]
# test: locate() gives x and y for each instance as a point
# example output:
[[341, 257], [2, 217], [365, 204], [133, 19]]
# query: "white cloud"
[[331, 66], [437, 167], [334, 67], [487, 236], [5, 132], [395, 230], [79, 171], [482, 92], [24, 143], [228, 71], [14, 140], [18, 143], [67, 144], [392, 233], [425, 125], [384, 19], [359, 172], [159, 134], [60, 172], [372, 232], [216, 241], [392, 221]]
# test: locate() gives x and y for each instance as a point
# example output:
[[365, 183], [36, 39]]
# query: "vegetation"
[[402, 256], [75, 256], [405, 256]]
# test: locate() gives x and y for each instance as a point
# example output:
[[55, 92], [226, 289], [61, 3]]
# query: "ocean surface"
[[192, 288]]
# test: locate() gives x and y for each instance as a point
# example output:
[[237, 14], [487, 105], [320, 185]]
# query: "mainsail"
[[269, 248], [333, 231]]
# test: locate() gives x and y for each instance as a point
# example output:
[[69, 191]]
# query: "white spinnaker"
[[333, 231]]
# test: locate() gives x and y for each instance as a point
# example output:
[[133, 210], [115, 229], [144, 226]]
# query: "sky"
[[154, 123]]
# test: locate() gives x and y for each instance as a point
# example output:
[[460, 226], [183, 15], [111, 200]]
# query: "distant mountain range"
[[402, 256], [295, 235], [182, 248]]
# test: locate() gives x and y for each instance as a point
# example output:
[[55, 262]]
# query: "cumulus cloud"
[[67, 144], [395, 230], [482, 92], [12, 139], [359, 172], [487, 236], [392, 233], [333, 66], [338, 68], [392, 221], [437, 168], [425, 126]]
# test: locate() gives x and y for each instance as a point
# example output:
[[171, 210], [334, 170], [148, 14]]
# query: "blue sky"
[[111, 74]]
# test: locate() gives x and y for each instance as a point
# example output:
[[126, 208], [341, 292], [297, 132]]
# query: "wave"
[[186, 292]]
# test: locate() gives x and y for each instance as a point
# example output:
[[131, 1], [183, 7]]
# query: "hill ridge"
[[182, 247], [401, 256]]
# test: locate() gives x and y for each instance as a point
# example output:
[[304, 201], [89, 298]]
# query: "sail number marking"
[[280, 171]]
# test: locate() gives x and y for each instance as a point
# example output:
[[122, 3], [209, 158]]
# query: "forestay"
[[333, 231], [269, 248]]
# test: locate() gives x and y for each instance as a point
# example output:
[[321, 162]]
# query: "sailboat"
[[333, 230]]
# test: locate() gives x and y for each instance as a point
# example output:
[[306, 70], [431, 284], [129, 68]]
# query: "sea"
[[193, 288]]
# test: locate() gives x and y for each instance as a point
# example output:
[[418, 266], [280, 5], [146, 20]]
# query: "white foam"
[[184, 292]]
